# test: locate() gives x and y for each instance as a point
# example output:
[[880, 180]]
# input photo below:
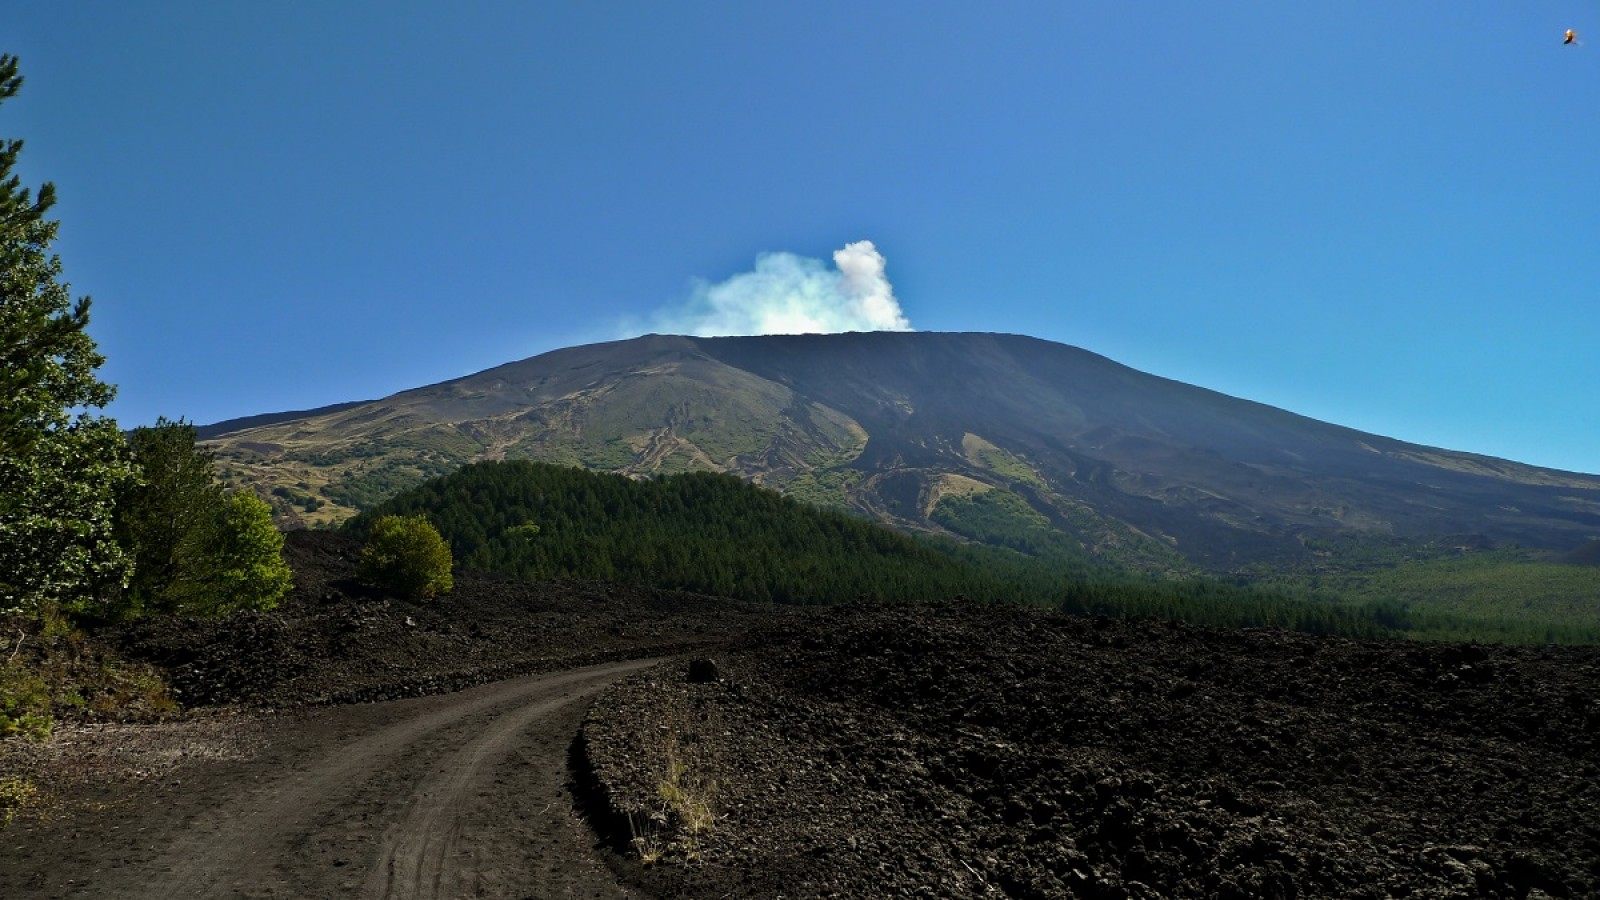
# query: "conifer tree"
[[167, 520], [196, 550], [61, 465]]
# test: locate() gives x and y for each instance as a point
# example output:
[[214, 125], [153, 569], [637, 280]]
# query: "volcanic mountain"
[[989, 436]]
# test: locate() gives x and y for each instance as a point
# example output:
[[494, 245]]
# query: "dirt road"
[[459, 795]]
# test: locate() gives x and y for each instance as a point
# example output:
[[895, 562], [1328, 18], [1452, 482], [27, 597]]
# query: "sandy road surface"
[[460, 795]]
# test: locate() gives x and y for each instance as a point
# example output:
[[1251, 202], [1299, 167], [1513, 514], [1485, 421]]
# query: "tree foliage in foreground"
[[248, 570], [60, 465], [196, 550], [167, 518]]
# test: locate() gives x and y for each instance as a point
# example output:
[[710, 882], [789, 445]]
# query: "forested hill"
[[715, 534], [697, 531]]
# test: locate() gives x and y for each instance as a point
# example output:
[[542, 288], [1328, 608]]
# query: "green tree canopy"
[[406, 555], [196, 550], [248, 570], [60, 465], [168, 518]]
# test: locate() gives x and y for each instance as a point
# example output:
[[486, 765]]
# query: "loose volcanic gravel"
[[989, 751]]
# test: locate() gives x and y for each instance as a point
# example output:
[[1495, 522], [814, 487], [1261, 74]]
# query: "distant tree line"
[[1207, 601]]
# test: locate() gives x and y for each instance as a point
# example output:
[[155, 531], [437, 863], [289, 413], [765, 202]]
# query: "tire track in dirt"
[[418, 858], [260, 842]]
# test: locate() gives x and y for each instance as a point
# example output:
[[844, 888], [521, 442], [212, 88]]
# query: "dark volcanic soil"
[[987, 751], [940, 751]]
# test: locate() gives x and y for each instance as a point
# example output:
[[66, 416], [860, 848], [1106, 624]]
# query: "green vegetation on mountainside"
[[678, 413], [1499, 595], [717, 535], [694, 531], [1076, 537], [1003, 519], [1449, 588]]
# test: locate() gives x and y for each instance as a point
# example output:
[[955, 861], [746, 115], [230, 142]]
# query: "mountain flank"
[[998, 438], [228, 426]]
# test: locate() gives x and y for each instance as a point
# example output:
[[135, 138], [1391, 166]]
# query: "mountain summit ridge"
[[930, 431]]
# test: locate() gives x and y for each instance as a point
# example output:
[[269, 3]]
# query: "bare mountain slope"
[[992, 436]]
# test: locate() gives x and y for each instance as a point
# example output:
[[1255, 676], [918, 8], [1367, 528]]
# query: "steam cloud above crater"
[[790, 294]]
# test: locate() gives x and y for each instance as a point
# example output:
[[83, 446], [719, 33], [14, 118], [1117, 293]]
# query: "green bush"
[[24, 703], [50, 671], [247, 556], [406, 555], [16, 796]]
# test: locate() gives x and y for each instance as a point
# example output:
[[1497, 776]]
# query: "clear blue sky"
[[1385, 215]]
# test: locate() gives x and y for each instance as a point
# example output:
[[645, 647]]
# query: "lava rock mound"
[[964, 750]]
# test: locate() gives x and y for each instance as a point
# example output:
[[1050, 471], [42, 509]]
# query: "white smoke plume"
[[790, 294]]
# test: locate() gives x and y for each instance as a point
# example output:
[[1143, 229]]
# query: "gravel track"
[[446, 796]]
